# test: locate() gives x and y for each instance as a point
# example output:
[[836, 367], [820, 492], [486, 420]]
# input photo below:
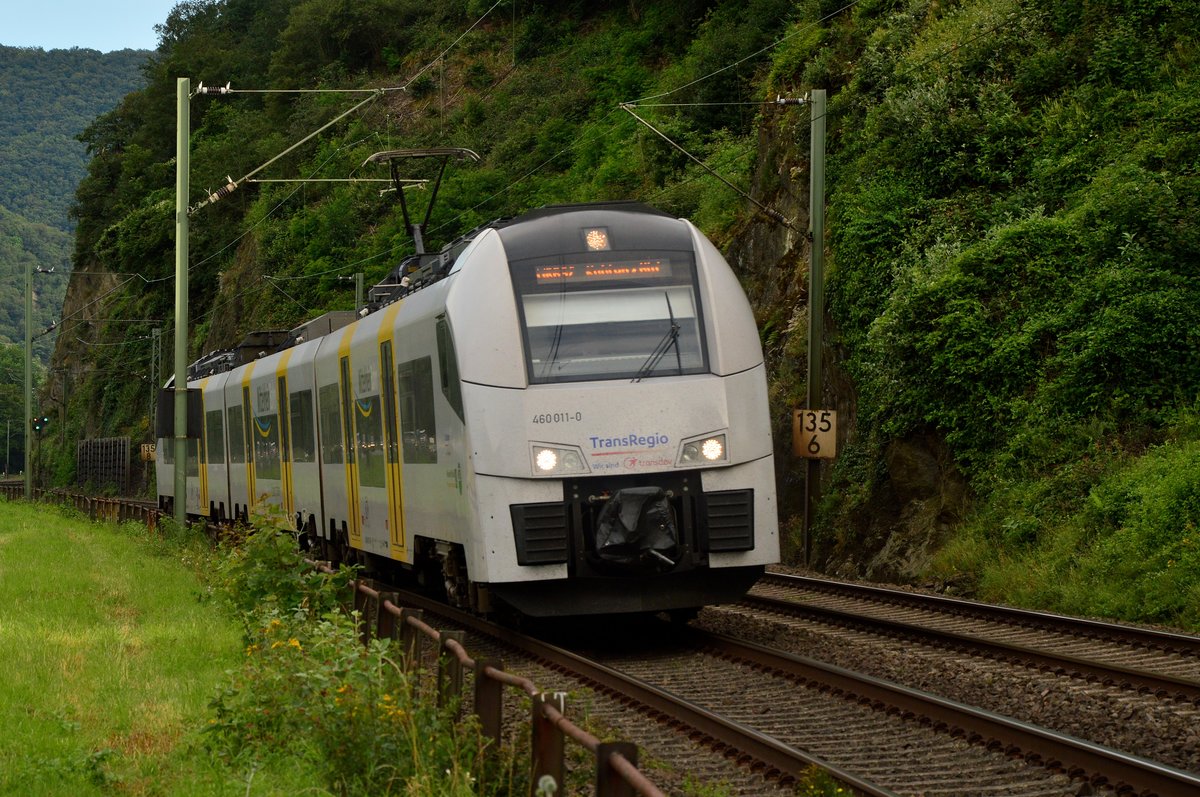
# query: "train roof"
[[642, 226]]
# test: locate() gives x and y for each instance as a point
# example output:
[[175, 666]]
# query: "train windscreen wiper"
[[668, 340]]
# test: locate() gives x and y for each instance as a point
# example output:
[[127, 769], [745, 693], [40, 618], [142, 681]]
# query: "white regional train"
[[564, 412]]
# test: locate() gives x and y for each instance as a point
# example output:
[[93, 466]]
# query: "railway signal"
[[40, 422]]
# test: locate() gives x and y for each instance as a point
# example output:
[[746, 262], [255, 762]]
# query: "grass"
[[110, 662], [1114, 538]]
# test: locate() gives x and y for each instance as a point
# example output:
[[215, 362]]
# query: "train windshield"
[[632, 315]]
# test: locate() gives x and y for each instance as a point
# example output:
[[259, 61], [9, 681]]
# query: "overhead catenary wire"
[[375, 94], [642, 102], [770, 212], [742, 60], [271, 281], [233, 184], [453, 44]]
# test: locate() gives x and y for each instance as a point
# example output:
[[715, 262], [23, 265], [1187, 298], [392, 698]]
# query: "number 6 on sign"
[[814, 434]]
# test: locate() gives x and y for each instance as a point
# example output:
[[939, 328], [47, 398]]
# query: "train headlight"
[[547, 459], [557, 460], [706, 450], [713, 448]]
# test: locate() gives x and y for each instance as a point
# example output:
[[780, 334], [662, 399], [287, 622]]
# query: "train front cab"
[[617, 416]]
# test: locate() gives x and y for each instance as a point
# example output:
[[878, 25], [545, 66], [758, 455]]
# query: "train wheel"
[[454, 575]]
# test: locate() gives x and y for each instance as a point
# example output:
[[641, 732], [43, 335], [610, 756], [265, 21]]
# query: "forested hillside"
[[25, 244], [48, 98], [1013, 235]]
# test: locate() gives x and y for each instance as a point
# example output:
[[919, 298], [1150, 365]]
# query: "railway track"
[[1035, 650], [1077, 680], [1167, 653], [780, 714]]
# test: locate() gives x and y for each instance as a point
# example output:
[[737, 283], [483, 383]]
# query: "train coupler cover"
[[636, 530]]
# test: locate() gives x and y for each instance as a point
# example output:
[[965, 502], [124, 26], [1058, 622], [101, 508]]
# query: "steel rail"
[[1075, 757], [1125, 677], [1180, 643], [779, 761]]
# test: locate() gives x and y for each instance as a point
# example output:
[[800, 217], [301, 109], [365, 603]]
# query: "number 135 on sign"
[[814, 434]]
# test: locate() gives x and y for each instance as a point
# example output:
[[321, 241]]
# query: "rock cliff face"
[[919, 495]]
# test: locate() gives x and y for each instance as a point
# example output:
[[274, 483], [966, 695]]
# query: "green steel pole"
[[183, 123], [358, 294], [28, 380], [816, 298]]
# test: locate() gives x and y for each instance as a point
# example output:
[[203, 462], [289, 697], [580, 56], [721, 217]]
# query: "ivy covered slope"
[[1015, 238], [1012, 236]]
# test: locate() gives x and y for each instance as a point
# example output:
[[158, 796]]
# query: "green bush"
[[309, 689], [265, 573], [311, 693]]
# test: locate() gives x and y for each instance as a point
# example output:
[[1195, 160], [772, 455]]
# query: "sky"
[[103, 25]]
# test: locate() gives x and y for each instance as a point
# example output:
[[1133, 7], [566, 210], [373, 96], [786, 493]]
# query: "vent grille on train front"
[[541, 532], [730, 520]]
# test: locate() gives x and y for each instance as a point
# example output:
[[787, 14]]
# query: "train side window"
[[266, 446], [331, 427], [303, 440], [215, 430], [448, 368], [237, 443], [193, 457], [368, 425], [414, 380]]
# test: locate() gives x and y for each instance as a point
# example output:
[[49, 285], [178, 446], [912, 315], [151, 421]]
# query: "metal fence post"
[[385, 621], [489, 699], [546, 741], [609, 782], [450, 670], [410, 639]]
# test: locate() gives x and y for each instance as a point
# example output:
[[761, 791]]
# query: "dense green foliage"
[[49, 98], [27, 246], [1015, 229], [1013, 221], [311, 697]]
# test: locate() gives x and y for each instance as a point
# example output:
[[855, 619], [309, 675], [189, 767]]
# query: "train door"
[[215, 489], [248, 434], [397, 546], [202, 462], [367, 411], [304, 473], [217, 481], [266, 446], [235, 425], [353, 512], [329, 430], [286, 489]]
